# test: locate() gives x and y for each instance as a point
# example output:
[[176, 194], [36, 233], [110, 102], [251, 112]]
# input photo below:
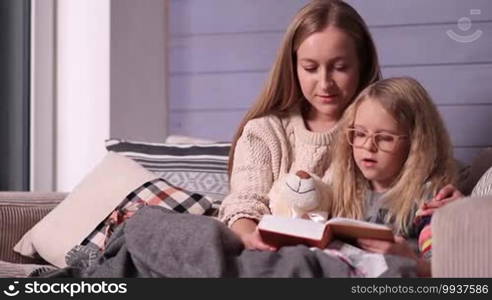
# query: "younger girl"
[[394, 156]]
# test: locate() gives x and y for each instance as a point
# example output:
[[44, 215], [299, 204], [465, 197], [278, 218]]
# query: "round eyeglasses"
[[385, 142]]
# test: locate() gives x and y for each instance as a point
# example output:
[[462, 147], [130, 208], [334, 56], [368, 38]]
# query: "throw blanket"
[[156, 242]]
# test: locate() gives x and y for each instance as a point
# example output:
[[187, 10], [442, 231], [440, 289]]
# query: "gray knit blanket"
[[156, 242]]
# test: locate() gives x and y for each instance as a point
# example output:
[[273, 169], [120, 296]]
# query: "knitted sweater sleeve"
[[257, 152]]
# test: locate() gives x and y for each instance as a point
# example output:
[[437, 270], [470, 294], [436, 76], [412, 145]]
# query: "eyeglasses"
[[383, 141]]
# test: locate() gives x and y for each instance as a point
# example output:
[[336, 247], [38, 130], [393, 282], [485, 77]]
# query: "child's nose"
[[369, 145]]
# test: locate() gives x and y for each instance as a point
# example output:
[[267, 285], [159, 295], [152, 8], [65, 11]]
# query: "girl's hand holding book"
[[399, 247]]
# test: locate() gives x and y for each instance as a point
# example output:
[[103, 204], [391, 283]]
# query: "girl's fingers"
[[426, 212], [422, 212], [264, 247], [428, 208], [435, 204], [399, 247], [445, 192], [449, 192], [259, 244]]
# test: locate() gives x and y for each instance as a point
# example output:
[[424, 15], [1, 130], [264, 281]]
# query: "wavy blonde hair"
[[429, 164], [282, 91]]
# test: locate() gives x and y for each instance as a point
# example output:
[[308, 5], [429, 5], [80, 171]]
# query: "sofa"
[[462, 245]]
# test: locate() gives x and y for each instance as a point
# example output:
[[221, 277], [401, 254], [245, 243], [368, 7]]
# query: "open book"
[[283, 231]]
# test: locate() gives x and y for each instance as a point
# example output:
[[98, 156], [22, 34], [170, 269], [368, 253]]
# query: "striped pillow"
[[198, 168]]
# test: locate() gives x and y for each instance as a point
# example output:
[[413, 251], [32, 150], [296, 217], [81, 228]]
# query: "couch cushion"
[[199, 168], [461, 239], [19, 211], [12, 270]]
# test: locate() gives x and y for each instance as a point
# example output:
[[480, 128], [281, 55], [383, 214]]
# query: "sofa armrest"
[[461, 239], [19, 212]]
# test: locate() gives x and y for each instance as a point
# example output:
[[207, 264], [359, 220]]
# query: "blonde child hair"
[[282, 90], [429, 165]]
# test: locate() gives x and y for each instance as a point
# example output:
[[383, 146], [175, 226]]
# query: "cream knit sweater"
[[269, 148]]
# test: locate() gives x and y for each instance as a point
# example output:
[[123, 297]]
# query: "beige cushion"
[[89, 203], [461, 239]]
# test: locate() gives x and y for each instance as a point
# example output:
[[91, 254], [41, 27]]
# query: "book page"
[[358, 223], [290, 226], [352, 229]]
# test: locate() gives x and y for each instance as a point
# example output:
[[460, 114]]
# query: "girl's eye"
[[309, 69], [359, 134], [385, 138], [340, 67]]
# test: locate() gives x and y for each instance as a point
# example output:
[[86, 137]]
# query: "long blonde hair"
[[429, 164], [282, 91]]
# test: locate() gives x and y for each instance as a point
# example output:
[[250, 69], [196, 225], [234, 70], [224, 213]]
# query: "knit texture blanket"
[[156, 242]]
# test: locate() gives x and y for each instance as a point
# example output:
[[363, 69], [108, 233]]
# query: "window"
[[14, 94]]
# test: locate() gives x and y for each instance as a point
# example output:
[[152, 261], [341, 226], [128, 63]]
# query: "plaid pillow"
[[155, 192], [198, 168]]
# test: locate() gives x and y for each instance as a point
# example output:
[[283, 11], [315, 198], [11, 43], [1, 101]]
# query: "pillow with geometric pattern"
[[154, 192], [198, 168]]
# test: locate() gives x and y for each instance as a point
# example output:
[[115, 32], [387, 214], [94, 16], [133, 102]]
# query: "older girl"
[[326, 58]]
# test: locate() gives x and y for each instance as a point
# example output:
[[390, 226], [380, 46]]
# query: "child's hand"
[[247, 231], [447, 194], [399, 247], [253, 241]]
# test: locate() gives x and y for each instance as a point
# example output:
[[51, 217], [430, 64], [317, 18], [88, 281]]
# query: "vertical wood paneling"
[[222, 50]]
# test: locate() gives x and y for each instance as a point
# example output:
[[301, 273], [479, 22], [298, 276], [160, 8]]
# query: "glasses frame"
[[349, 134]]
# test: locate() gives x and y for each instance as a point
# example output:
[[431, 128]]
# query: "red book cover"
[[282, 231]]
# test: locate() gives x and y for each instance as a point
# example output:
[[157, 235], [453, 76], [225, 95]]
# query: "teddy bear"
[[299, 195]]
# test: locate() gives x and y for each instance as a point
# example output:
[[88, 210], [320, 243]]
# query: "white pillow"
[[183, 139], [85, 207]]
